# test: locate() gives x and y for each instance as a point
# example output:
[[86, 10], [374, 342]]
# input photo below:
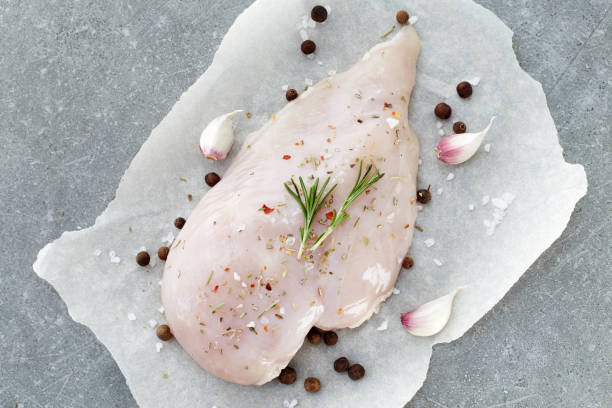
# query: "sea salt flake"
[[441, 132], [285, 87], [439, 191], [419, 208], [142, 248], [383, 325], [392, 122], [97, 252], [292, 404], [161, 309], [471, 207], [429, 242], [308, 81], [499, 203], [439, 124], [158, 346], [236, 276], [396, 291], [159, 282], [450, 176], [485, 200], [475, 81], [131, 316], [438, 262], [152, 323], [508, 198], [487, 147], [251, 324], [412, 20]]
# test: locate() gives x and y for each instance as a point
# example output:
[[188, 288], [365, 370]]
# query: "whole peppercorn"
[[464, 89], [163, 332], [308, 47], [291, 94], [330, 338], [288, 375], [407, 263], [402, 17], [424, 196], [314, 336], [312, 384], [162, 252], [341, 364], [356, 372], [459, 127], [443, 111], [180, 222], [211, 179], [143, 258], [319, 14]]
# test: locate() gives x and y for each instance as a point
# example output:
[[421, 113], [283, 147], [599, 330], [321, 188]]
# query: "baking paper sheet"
[[260, 54]]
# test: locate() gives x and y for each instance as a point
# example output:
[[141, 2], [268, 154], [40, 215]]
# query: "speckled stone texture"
[[82, 83]]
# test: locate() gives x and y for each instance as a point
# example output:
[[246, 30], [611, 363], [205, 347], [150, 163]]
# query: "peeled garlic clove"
[[218, 136], [431, 317], [458, 148]]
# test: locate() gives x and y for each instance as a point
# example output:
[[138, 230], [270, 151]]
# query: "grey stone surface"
[[82, 83]]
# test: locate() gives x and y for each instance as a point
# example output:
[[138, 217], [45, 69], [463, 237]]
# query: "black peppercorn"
[[308, 47], [180, 222], [319, 14], [163, 332], [330, 338], [356, 372], [402, 17], [443, 111], [459, 127], [407, 263], [312, 384], [162, 252], [423, 196], [288, 375], [341, 364], [291, 94], [143, 258], [212, 178], [314, 336], [464, 89]]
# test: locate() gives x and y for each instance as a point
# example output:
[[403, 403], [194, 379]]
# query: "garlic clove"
[[218, 137], [458, 148], [431, 317]]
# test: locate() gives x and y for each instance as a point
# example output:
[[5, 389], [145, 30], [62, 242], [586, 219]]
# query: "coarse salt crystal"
[[508, 198], [437, 262], [152, 323], [429, 242], [236, 276], [485, 200], [131, 316], [419, 208], [383, 325], [439, 124], [161, 309], [319, 62], [251, 324], [471, 207], [499, 203], [439, 191], [487, 147], [240, 228], [392, 122], [244, 285], [396, 291], [292, 404], [308, 81], [475, 81], [98, 252], [285, 87], [159, 282], [303, 35], [450, 176], [290, 241], [390, 217], [413, 19], [441, 132], [158, 346]]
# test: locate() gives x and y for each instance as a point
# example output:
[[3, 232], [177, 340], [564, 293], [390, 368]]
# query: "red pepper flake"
[[268, 286], [266, 209], [331, 127], [252, 285], [216, 288], [286, 157], [227, 269], [265, 328], [297, 143], [322, 157], [340, 311], [407, 226], [329, 215], [387, 106]]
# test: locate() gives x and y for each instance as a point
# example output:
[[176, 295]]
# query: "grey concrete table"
[[82, 83]]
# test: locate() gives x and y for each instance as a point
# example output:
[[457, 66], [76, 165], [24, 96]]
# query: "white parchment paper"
[[260, 54]]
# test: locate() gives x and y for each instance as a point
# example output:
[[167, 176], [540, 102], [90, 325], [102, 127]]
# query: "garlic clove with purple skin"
[[218, 137], [431, 317], [458, 148]]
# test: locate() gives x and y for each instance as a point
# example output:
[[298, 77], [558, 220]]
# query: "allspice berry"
[[314, 336], [423, 196], [288, 375], [330, 338], [356, 372], [459, 127], [407, 263], [163, 332], [212, 178], [180, 222], [402, 17], [464, 89], [308, 47], [312, 384], [143, 258], [341, 364], [163, 252], [443, 111], [291, 94], [319, 14]]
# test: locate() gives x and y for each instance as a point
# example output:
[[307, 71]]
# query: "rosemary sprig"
[[361, 185], [310, 202]]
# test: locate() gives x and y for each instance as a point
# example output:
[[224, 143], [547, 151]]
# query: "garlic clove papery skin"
[[431, 317], [218, 137], [459, 148]]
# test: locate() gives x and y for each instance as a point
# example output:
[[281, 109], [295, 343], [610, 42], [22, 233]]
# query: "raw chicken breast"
[[236, 297]]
